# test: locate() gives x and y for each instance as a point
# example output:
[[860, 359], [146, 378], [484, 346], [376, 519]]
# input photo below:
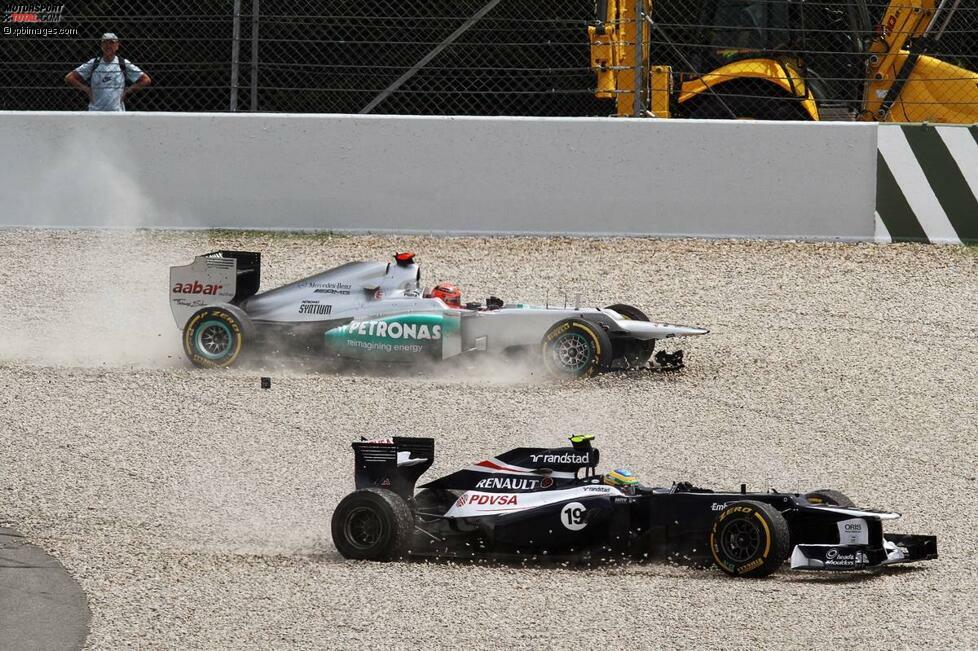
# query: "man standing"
[[103, 79]]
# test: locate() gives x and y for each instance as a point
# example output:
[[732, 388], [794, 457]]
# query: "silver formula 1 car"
[[379, 311]]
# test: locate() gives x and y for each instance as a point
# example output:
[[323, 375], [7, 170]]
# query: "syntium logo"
[[315, 308], [394, 330]]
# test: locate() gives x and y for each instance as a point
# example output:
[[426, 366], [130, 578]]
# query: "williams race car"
[[378, 311], [539, 503]]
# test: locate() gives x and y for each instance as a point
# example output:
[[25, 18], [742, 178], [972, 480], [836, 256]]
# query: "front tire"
[[829, 497], [372, 524], [574, 348], [215, 336], [749, 539], [636, 353]]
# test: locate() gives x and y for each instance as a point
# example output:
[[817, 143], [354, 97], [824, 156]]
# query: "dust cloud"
[[102, 301]]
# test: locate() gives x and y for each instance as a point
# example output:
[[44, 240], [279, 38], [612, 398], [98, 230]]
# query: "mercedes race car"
[[540, 503], [379, 311]]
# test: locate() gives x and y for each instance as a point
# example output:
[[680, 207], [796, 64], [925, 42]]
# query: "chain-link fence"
[[184, 46], [915, 57], [700, 58], [461, 57]]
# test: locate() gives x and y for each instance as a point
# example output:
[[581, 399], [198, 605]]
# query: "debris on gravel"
[[193, 506]]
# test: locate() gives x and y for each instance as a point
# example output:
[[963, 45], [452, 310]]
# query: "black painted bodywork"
[[671, 523]]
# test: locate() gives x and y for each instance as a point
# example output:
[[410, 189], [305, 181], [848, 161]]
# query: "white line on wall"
[[882, 234], [910, 178], [964, 149]]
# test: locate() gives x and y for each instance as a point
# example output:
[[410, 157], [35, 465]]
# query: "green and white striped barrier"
[[927, 184]]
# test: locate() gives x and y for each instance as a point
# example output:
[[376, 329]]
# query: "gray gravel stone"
[[193, 507]]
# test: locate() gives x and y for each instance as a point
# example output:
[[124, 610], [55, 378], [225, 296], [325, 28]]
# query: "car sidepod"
[[398, 337], [580, 521]]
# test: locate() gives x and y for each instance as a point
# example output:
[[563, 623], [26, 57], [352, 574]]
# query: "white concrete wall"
[[671, 178]]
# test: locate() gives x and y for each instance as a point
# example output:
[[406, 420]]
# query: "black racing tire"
[[574, 348], [749, 539], [635, 353], [372, 524], [217, 336], [829, 497]]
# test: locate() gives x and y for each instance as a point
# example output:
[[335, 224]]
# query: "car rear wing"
[[211, 279], [395, 463]]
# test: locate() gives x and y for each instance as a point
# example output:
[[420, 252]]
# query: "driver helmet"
[[449, 294], [623, 480]]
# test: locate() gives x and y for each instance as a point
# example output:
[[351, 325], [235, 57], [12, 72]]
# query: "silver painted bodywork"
[[364, 291]]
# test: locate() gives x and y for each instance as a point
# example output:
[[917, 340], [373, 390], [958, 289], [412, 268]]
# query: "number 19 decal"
[[572, 516]]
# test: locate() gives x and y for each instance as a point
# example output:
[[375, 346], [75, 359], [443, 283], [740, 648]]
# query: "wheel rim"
[[213, 339], [740, 540], [572, 352], [363, 528]]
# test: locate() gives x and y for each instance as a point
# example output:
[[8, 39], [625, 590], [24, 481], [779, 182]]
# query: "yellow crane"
[[752, 62]]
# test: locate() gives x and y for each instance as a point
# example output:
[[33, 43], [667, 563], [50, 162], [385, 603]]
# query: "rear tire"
[[749, 539], [574, 348], [372, 524], [829, 497], [635, 353], [216, 336]]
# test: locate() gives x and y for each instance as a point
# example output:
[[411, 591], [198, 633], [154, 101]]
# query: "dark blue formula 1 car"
[[552, 503]]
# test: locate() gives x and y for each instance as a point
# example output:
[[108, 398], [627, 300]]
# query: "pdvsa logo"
[[494, 500]]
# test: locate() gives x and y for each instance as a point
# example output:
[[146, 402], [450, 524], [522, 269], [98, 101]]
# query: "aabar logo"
[[196, 288]]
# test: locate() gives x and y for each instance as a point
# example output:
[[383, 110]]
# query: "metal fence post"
[[235, 54], [254, 55], [638, 107]]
